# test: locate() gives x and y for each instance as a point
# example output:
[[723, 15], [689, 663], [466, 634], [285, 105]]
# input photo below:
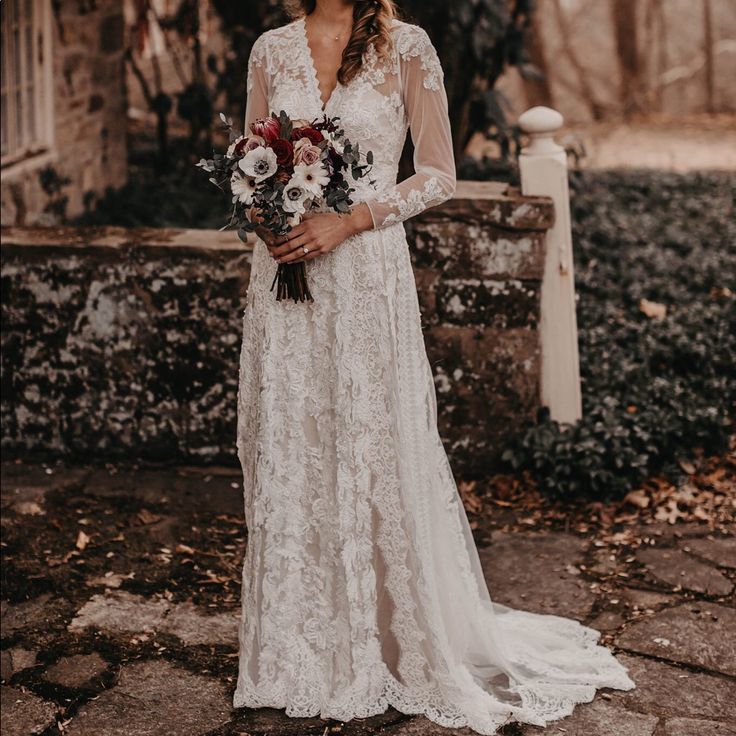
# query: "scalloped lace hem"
[[392, 695]]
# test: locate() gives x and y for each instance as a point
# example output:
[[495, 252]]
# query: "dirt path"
[[699, 143], [694, 144]]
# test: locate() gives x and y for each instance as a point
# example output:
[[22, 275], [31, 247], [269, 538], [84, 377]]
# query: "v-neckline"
[[313, 68]]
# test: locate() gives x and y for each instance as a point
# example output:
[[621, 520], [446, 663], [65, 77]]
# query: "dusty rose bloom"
[[253, 142], [306, 153]]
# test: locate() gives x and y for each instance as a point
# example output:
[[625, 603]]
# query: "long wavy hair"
[[371, 25]]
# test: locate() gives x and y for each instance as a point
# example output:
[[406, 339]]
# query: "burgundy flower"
[[284, 151], [268, 128], [312, 134]]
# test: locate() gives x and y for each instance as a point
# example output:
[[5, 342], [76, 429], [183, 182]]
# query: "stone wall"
[[88, 153], [124, 343]]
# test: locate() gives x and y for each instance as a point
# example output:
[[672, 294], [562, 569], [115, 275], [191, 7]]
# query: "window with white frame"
[[26, 85]]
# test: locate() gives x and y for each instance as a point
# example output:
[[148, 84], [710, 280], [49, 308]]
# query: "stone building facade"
[[64, 107]]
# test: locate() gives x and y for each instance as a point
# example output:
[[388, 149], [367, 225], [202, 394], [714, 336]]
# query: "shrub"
[[152, 198], [654, 390]]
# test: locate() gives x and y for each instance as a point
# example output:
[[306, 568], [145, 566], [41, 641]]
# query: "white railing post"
[[543, 166]]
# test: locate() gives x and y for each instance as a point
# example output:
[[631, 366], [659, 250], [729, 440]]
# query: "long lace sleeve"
[[425, 102], [256, 103]]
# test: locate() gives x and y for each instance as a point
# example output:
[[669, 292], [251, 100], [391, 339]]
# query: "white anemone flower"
[[260, 163], [313, 177], [231, 147], [243, 187], [336, 143], [294, 219], [295, 196]]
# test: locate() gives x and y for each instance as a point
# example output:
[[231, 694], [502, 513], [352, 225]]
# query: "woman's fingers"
[[281, 250], [299, 253], [292, 244], [307, 256], [297, 230], [267, 237], [282, 245]]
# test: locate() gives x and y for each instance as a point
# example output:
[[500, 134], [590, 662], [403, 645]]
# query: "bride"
[[362, 587]]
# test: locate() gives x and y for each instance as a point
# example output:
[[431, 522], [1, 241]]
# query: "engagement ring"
[[305, 249]]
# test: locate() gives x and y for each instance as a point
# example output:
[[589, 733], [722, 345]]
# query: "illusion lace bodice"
[[362, 586], [387, 96]]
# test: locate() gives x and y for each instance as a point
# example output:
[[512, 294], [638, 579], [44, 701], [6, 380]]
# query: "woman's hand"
[[320, 233], [269, 238]]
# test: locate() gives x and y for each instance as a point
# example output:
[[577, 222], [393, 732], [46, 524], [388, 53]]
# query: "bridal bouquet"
[[281, 170]]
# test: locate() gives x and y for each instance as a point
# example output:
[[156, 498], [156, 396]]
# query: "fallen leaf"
[[653, 310], [56, 561], [470, 499], [110, 579], [148, 517], [637, 498], [701, 514], [670, 512], [30, 508], [82, 540]]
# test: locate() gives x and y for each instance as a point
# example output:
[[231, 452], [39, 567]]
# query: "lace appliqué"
[[414, 42], [257, 58], [415, 202]]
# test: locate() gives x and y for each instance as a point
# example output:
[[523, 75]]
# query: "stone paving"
[[121, 594]]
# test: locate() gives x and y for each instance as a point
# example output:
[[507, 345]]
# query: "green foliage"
[[653, 390], [195, 106], [53, 186], [153, 198], [241, 22]]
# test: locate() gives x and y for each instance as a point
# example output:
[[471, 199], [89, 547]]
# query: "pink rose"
[[269, 128], [306, 153]]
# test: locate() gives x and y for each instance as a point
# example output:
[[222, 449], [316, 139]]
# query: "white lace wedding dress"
[[362, 587]]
